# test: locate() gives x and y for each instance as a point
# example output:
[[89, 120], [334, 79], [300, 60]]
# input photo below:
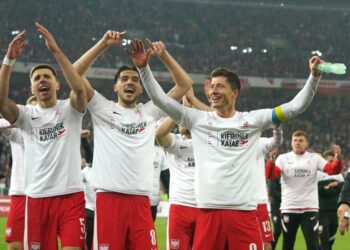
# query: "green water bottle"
[[335, 68]]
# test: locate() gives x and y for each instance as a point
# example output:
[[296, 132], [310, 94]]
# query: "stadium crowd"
[[197, 37]]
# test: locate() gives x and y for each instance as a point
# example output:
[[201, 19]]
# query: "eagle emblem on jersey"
[[35, 246], [104, 247], [175, 244]]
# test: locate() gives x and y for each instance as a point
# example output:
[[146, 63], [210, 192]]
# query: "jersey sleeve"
[[183, 115], [298, 104], [154, 111], [97, 102], [175, 145]]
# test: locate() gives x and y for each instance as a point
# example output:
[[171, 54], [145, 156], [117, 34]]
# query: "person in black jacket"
[[344, 206], [329, 187], [274, 189]]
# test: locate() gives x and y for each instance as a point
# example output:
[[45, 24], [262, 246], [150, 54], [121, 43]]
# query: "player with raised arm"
[[124, 134], [15, 219], [224, 142], [298, 170], [51, 132]]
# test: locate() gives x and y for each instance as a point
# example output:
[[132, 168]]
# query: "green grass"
[[341, 243]]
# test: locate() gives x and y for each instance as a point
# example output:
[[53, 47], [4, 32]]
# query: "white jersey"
[[52, 149], [226, 152], [124, 146], [261, 190], [182, 171], [90, 195], [299, 180], [159, 164], [17, 149], [322, 176]]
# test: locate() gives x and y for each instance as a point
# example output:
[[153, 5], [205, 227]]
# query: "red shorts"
[[123, 221], [181, 226], [264, 223], [62, 216], [15, 219], [227, 229]]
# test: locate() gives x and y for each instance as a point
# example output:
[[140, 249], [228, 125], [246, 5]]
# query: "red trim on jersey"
[[272, 171], [334, 167]]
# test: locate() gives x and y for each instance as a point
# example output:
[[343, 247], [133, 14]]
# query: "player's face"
[[299, 144], [44, 84], [128, 87], [221, 94]]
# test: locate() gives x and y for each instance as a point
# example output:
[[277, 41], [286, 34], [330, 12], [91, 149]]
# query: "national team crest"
[[175, 244], [8, 231], [104, 247], [35, 246]]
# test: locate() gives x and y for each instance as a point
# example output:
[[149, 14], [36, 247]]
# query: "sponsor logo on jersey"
[[35, 118], [103, 247], [190, 162], [231, 139], [133, 129], [302, 172], [35, 246], [8, 231], [175, 244], [117, 113], [52, 133]]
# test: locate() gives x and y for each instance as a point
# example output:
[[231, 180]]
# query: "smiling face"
[[128, 87], [221, 94], [44, 85]]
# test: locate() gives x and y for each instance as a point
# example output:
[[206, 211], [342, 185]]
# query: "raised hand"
[[16, 46], [313, 62], [113, 37], [139, 56], [49, 39], [157, 48], [337, 151]]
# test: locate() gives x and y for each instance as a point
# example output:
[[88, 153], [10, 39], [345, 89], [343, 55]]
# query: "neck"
[[226, 113], [47, 104]]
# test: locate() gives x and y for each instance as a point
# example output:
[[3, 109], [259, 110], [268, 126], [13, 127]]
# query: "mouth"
[[129, 91], [215, 98], [43, 89]]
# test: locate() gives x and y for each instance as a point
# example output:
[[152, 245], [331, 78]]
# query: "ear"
[[115, 87], [31, 89], [236, 92], [58, 85]]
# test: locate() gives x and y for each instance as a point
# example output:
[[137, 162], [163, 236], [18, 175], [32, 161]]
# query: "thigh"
[[15, 219], [264, 223], [142, 231], [41, 223], [309, 226], [290, 224], [243, 230], [111, 219], [209, 233], [71, 220], [181, 226]]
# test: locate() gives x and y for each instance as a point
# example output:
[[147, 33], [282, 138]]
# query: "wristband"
[[8, 62], [346, 215]]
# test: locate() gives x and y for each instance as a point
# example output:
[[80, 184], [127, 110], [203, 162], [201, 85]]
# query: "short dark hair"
[[123, 68], [232, 78], [42, 66], [300, 133]]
